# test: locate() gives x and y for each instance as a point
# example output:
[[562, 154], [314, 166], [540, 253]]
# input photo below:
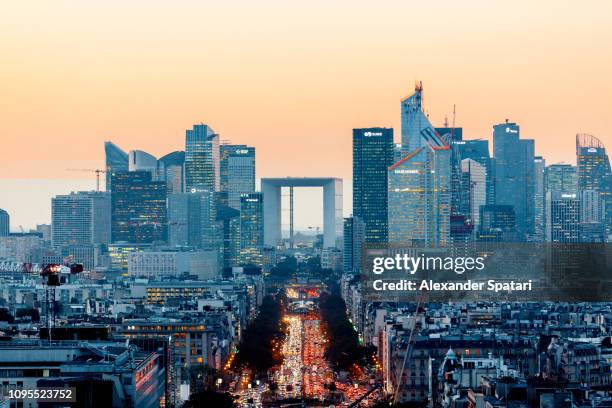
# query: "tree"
[[210, 399]]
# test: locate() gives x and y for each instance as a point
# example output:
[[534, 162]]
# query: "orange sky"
[[291, 78]]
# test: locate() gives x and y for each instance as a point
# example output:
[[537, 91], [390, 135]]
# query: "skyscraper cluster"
[[436, 188]]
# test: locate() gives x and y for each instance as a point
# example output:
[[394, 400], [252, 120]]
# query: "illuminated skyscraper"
[[116, 160], [251, 229], [561, 178], [138, 208], [372, 155], [594, 172], [419, 183], [237, 172], [562, 217], [515, 176], [202, 161]]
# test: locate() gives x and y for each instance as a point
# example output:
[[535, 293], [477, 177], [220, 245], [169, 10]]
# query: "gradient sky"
[[290, 78]]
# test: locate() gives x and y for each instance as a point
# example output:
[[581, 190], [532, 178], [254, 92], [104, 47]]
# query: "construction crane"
[[97, 171]]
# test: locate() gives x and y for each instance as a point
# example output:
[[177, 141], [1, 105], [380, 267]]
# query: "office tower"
[[229, 220], [82, 218], [454, 134], [172, 169], [497, 223], [478, 150], [192, 220], [594, 172], [143, 161], [138, 208], [592, 217], [116, 160], [372, 155], [419, 184], [562, 217], [474, 185], [515, 176], [354, 238], [5, 221], [202, 165], [251, 229], [540, 198], [561, 178], [397, 152], [237, 172]]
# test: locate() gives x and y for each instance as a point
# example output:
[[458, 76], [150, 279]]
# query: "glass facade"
[[138, 208], [251, 229], [237, 172], [372, 155], [202, 166], [116, 160]]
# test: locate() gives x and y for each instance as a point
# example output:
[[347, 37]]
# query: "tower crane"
[[97, 171]]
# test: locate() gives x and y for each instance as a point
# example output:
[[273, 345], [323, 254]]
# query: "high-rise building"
[[82, 218], [139, 160], [373, 152], [594, 172], [478, 150], [419, 184], [540, 199], [497, 223], [592, 217], [192, 220], [474, 186], [251, 229], [562, 217], [229, 220], [561, 178], [237, 172], [354, 237], [515, 176], [172, 168], [5, 221], [138, 208], [202, 160], [116, 160]]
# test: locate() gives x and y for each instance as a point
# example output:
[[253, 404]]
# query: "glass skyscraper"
[[372, 155], [4, 223], [540, 199], [561, 178], [594, 172], [116, 160], [237, 172], [202, 160], [419, 183], [251, 229], [192, 220], [171, 167], [138, 208], [514, 176]]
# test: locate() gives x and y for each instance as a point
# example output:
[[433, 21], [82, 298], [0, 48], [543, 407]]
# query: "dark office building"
[[514, 176], [372, 156], [497, 223], [138, 207], [251, 229], [478, 150]]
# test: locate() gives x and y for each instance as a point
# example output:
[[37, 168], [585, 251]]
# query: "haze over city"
[[291, 81]]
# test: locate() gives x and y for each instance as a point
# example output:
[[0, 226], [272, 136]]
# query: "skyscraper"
[[172, 168], [354, 236], [592, 216], [562, 217], [478, 150], [419, 184], [594, 172], [561, 178], [5, 221], [474, 185], [540, 199], [237, 172], [139, 160], [515, 176], [229, 220], [138, 208], [202, 161], [82, 218], [372, 155], [116, 160], [497, 223], [251, 229], [192, 220]]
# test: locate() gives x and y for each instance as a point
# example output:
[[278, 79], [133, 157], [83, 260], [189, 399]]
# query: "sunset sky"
[[290, 78]]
